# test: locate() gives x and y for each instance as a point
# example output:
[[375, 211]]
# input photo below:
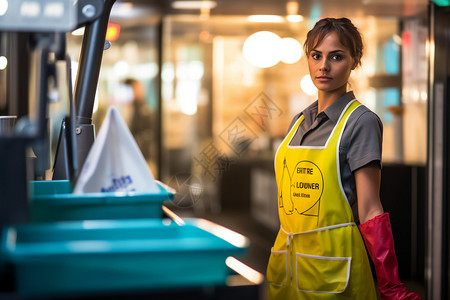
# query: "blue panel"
[[391, 58], [390, 97]]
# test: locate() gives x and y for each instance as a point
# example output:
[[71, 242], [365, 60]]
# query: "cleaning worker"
[[328, 175]]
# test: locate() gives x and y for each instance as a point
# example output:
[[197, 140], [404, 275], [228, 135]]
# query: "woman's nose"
[[324, 65]]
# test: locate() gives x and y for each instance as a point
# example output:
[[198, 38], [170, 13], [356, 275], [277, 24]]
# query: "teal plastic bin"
[[52, 200], [118, 255]]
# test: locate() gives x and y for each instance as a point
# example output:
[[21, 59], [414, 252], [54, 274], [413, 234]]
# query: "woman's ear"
[[356, 62]]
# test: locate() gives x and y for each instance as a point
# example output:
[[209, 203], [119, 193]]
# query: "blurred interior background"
[[221, 81]]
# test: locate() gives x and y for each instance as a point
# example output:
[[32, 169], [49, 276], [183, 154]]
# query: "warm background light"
[[294, 18], [194, 4], [265, 49], [265, 19], [291, 50], [262, 49], [112, 32], [307, 85], [3, 62]]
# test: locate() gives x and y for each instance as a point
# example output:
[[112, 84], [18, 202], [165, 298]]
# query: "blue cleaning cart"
[[118, 255], [52, 200]]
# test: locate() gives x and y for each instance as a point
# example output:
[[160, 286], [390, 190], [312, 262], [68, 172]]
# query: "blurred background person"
[[139, 115]]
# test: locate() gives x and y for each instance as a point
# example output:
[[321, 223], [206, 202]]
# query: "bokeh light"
[[262, 49], [307, 85], [3, 62], [291, 50]]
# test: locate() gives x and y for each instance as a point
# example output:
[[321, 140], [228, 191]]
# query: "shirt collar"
[[334, 110], [310, 113]]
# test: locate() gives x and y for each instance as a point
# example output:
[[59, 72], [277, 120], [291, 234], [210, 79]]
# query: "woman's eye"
[[336, 57], [315, 56]]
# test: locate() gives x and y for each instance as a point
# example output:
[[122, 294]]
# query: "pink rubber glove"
[[377, 234]]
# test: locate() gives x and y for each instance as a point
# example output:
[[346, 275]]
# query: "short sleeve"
[[366, 140]]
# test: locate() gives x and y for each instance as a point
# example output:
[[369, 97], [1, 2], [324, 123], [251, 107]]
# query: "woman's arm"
[[377, 233], [368, 180]]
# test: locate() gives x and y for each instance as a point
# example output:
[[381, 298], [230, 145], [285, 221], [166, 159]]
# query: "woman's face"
[[330, 65]]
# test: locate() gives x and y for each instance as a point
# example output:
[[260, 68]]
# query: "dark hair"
[[129, 81], [348, 34]]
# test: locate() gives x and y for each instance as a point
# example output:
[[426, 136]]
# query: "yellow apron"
[[319, 252]]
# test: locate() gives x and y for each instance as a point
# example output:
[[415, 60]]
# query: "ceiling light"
[[292, 7], [292, 12], [265, 19], [294, 18], [194, 4]]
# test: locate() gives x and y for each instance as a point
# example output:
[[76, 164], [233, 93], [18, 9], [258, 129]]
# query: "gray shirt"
[[360, 145]]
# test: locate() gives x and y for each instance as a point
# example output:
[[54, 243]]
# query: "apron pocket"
[[322, 274], [277, 267]]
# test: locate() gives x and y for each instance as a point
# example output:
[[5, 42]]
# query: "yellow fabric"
[[319, 252]]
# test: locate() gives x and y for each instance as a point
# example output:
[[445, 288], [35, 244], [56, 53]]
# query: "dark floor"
[[261, 240]]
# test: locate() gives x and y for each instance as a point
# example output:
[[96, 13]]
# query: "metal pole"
[[87, 80], [90, 62]]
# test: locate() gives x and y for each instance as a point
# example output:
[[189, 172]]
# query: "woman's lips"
[[323, 78]]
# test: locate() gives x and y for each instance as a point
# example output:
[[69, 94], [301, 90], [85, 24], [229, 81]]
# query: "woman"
[[331, 154]]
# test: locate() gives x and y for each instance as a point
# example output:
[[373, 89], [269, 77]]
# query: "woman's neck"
[[325, 99]]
